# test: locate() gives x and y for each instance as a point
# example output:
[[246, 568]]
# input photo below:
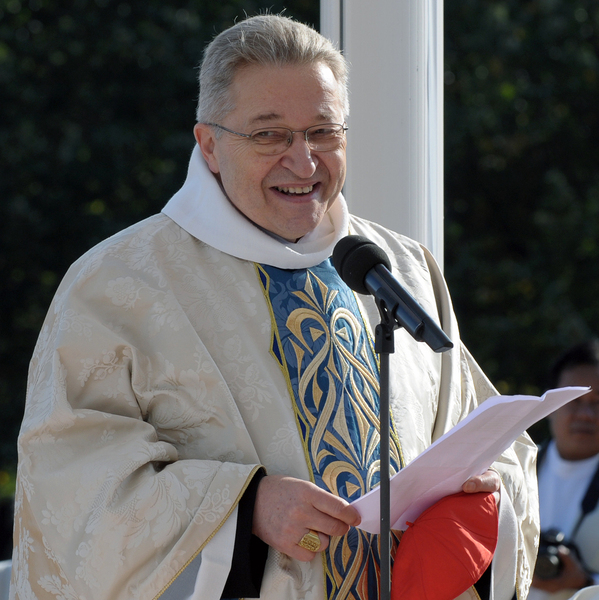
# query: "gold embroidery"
[[328, 359]]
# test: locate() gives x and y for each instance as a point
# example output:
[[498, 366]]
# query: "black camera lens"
[[549, 564]]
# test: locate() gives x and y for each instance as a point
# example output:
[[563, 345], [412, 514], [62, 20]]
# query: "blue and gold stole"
[[323, 347]]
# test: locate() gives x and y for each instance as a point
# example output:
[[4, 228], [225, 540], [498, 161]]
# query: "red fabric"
[[447, 549]]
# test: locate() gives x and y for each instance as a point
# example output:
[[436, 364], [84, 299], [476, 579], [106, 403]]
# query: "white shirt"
[[562, 486]]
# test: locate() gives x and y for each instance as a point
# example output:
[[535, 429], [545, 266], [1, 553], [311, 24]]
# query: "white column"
[[395, 137]]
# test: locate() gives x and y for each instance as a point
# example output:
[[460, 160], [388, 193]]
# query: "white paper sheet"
[[463, 452]]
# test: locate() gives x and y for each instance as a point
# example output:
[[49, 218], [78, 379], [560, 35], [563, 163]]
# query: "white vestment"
[[154, 398]]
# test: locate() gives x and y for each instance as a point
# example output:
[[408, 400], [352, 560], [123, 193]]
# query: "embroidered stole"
[[323, 347]]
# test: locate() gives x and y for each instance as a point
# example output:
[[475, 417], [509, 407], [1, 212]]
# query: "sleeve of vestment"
[[519, 525], [250, 552], [219, 573], [132, 452]]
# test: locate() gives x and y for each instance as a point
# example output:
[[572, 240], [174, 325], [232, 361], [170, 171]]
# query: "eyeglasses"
[[275, 140]]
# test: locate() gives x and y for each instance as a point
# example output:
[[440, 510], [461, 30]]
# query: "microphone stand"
[[384, 345], [395, 314], [365, 268]]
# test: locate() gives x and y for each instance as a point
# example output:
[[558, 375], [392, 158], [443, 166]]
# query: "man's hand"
[[287, 508], [487, 482], [572, 576]]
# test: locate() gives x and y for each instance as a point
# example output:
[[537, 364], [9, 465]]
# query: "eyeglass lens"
[[276, 140]]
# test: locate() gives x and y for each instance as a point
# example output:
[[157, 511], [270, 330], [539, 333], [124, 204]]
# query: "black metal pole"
[[384, 345]]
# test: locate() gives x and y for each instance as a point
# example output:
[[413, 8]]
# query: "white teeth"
[[296, 190]]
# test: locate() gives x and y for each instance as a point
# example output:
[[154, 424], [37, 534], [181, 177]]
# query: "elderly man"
[[204, 392]]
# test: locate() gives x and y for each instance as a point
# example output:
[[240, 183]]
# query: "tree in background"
[[522, 181], [98, 101]]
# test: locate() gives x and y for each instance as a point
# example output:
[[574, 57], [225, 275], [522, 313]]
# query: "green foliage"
[[98, 101], [522, 184], [7, 484]]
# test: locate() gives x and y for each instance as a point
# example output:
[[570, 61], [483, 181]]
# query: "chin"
[[298, 232]]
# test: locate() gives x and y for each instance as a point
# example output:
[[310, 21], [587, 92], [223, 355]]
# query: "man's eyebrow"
[[265, 118], [322, 117]]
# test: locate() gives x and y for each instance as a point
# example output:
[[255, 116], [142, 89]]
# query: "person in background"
[[568, 474], [203, 399]]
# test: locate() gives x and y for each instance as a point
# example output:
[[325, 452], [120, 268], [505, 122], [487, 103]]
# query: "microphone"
[[366, 269]]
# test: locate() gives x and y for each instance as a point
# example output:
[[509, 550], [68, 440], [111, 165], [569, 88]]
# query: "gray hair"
[[264, 40]]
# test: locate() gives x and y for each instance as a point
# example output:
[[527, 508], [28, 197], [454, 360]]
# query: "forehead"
[[295, 95], [583, 375]]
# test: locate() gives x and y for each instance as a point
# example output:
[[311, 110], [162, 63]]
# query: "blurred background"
[[97, 104]]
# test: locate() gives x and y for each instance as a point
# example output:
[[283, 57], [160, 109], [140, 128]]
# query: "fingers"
[[487, 482], [286, 509], [337, 508]]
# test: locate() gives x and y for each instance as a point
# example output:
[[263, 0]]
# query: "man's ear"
[[206, 139]]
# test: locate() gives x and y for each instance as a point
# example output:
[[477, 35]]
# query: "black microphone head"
[[354, 256]]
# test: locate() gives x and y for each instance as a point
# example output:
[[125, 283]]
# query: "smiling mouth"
[[295, 190]]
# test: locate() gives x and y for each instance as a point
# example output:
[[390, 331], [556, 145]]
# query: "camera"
[[549, 564]]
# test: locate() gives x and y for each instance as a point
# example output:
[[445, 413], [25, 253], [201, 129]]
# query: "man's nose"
[[298, 157], [588, 410]]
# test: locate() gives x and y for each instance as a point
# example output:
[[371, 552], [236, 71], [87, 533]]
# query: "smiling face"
[[575, 426], [287, 194]]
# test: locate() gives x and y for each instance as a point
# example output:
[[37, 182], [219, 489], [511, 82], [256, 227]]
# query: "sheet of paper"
[[466, 450]]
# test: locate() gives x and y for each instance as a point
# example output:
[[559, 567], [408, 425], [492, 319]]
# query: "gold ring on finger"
[[310, 541]]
